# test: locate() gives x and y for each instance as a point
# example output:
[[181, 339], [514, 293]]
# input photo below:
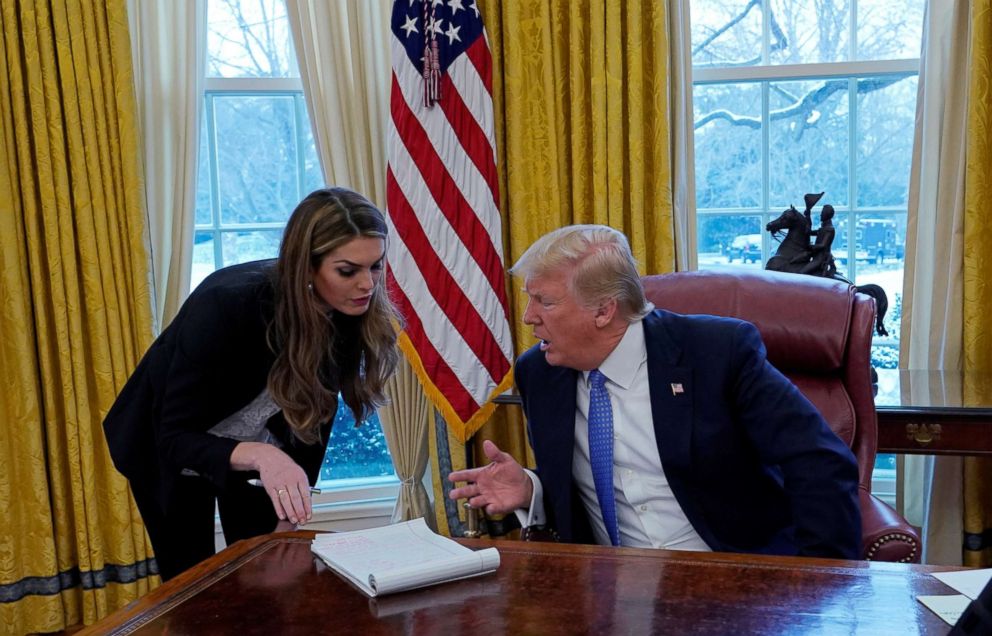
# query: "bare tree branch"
[[779, 41], [802, 106], [726, 27], [248, 35], [735, 120]]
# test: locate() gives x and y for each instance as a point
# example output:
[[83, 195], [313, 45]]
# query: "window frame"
[[883, 480], [763, 75], [215, 87]]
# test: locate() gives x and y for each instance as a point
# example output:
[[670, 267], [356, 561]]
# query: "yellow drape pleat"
[[581, 100], [75, 312], [977, 276]]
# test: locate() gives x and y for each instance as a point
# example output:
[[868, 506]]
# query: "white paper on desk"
[[968, 582], [950, 608], [400, 557]]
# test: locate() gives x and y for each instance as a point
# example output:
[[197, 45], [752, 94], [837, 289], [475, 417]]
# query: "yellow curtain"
[[581, 91], [977, 277], [75, 312], [581, 100]]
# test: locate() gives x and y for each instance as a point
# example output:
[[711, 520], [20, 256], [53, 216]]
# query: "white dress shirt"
[[647, 511]]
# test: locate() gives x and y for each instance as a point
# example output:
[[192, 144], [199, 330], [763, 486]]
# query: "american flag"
[[445, 254]]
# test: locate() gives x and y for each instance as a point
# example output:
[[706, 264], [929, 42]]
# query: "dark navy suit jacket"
[[750, 460]]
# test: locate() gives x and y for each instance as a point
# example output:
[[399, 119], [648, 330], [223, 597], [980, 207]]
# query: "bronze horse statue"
[[793, 252], [793, 229]]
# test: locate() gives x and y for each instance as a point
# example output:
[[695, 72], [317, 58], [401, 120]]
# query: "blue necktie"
[[601, 451]]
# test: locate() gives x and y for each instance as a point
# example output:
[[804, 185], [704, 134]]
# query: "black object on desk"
[[977, 619]]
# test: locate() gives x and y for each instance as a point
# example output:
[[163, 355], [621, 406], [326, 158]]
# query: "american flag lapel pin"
[[677, 388]]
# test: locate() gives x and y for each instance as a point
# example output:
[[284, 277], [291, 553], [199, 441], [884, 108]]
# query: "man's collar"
[[622, 363]]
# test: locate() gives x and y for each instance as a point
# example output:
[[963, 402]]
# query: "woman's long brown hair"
[[320, 353]]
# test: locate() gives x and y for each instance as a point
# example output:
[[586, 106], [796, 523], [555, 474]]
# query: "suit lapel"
[[672, 394], [671, 389]]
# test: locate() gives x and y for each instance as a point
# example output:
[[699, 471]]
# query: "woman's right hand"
[[283, 479]]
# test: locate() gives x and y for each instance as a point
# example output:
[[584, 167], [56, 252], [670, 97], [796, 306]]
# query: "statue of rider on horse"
[[794, 253], [793, 230]]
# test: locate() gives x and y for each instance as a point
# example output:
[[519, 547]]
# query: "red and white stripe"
[[445, 256]]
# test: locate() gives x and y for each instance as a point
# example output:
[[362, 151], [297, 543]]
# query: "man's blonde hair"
[[600, 262]]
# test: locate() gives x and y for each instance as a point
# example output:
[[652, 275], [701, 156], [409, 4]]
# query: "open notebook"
[[400, 557]]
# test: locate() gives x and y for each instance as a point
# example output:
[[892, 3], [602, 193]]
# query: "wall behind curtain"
[[75, 311]]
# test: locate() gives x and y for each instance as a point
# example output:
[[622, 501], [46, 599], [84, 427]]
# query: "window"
[[257, 156], [257, 160], [794, 97]]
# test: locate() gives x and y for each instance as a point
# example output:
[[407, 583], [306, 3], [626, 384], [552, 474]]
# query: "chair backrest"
[[817, 332]]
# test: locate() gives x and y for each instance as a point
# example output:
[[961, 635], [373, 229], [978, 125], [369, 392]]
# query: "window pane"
[[728, 145], [256, 157], [241, 247], [889, 30], [884, 237], [725, 33], [808, 137], [804, 32], [729, 239], [840, 245], [249, 38], [355, 452], [882, 241], [203, 257], [886, 117]]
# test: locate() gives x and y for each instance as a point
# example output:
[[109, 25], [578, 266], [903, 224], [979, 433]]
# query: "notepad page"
[[404, 548], [456, 568]]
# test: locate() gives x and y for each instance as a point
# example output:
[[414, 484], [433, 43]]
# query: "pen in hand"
[[258, 482]]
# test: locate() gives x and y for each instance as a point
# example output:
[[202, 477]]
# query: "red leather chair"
[[818, 333]]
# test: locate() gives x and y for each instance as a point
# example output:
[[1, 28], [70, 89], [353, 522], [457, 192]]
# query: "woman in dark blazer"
[[244, 382]]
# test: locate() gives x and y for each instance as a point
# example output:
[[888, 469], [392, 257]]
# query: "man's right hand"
[[500, 487]]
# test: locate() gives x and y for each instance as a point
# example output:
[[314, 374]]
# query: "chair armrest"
[[885, 535]]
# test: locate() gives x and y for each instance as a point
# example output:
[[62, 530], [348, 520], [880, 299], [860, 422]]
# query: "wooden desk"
[[934, 413], [274, 585]]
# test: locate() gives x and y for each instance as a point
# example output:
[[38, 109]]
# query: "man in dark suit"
[[654, 429]]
